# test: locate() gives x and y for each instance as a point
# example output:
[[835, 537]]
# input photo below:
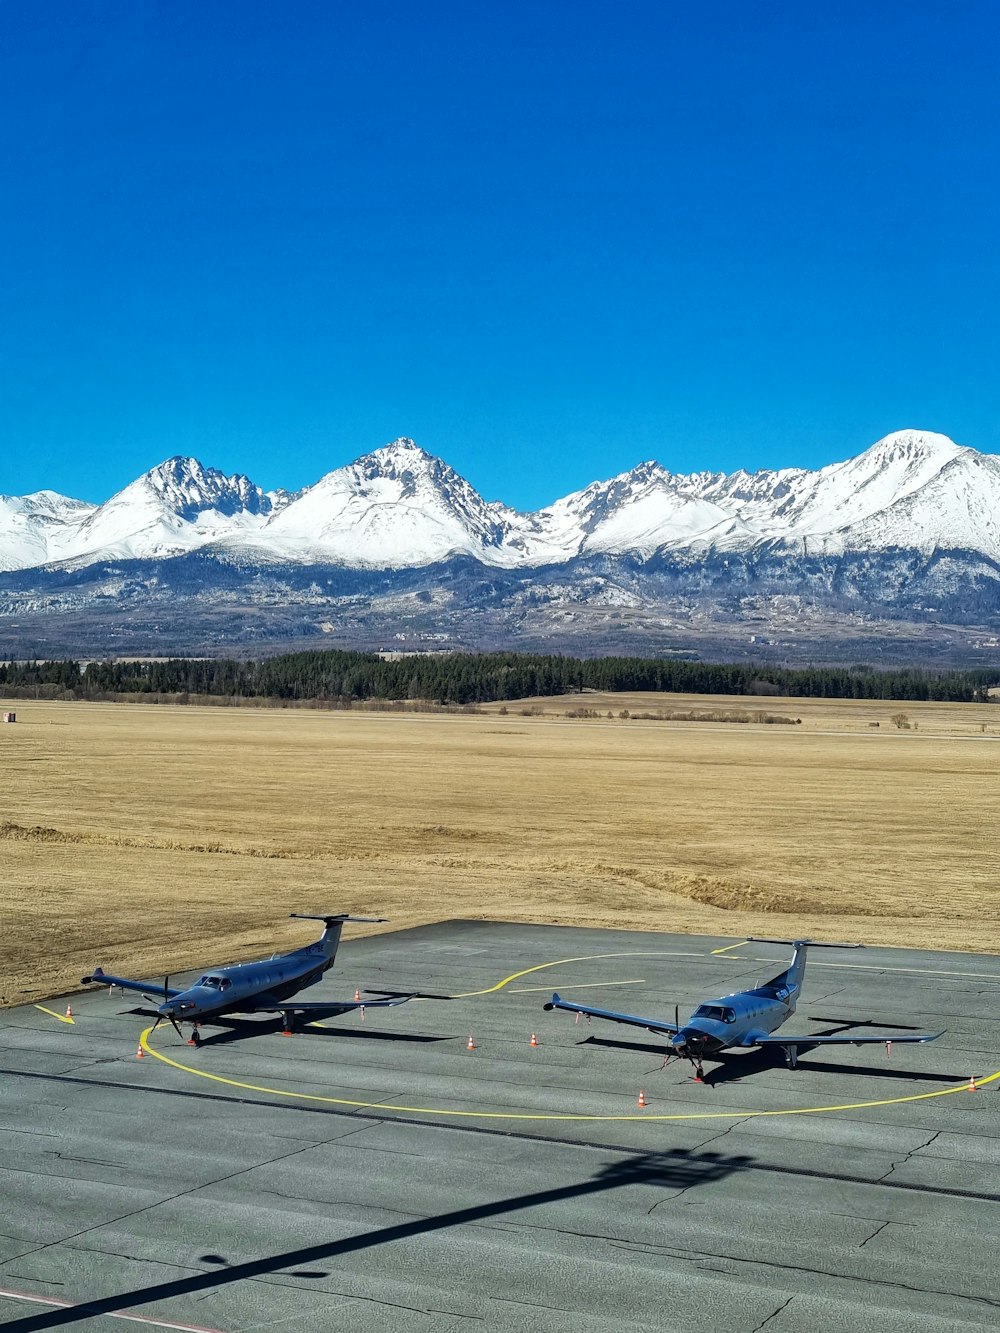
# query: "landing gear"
[[699, 1074], [195, 1037], [288, 1018], [792, 1056]]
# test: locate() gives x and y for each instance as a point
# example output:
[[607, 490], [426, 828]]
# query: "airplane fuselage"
[[243, 987], [738, 1019]]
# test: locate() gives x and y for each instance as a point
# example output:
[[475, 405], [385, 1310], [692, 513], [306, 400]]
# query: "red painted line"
[[150, 1320]]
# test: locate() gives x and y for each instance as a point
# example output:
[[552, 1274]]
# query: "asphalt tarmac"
[[379, 1175]]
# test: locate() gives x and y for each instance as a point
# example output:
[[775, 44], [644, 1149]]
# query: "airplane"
[[266, 986], [745, 1018]]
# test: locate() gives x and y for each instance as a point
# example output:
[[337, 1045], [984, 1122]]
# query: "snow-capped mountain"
[[31, 524], [399, 507], [177, 506], [911, 489], [396, 507]]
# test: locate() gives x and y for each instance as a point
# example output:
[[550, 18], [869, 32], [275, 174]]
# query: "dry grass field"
[[149, 838]]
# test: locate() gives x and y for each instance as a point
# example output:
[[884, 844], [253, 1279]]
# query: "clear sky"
[[547, 239]]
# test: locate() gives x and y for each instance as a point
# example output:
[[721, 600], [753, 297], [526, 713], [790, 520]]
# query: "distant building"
[[10, 717]]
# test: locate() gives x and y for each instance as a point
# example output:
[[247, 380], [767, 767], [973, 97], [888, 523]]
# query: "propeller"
[[160, 1017], [677, 1016]]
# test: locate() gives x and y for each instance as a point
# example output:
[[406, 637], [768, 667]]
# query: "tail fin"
[[793, 973], [330, 939]]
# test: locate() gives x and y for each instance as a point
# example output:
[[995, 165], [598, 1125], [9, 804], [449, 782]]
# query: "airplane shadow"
[[736, 1065], [675, 1169], [236, 1030], [646, 1047]]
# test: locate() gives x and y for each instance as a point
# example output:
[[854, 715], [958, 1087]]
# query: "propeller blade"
[[159, 1020], [166, 987], [176, 1028], [677, 1015]]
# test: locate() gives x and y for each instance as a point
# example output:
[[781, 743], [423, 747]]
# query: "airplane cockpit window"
[[716, 1012], [215, 983]]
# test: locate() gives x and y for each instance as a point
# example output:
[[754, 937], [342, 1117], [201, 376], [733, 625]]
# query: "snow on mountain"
[[395, 507], [177, 506], [639, 511], [400, 507], [880, 499], [29, 522]]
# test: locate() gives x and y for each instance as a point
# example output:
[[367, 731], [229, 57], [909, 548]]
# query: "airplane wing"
[[890, 1037], [650, 1024], [331, 1009], [148, 988]]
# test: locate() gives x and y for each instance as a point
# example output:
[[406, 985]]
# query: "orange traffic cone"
[[534, 1040], [642, 1099], [357, 994], [69, 1011], [140, 1054], [472, 1045], [972, 1084]]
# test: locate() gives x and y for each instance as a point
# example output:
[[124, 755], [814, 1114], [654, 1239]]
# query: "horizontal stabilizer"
[[813, 944], [339, 916]]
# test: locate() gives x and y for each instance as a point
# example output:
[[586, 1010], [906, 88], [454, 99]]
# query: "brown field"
[[157, 838]]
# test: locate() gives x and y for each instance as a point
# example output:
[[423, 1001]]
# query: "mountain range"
[[399, 545], [399, 507]]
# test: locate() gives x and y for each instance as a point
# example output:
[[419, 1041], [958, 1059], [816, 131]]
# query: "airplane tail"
[[791, 978], [329, 941]]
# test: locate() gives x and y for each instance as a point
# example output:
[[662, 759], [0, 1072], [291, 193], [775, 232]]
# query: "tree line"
[[337, 676]]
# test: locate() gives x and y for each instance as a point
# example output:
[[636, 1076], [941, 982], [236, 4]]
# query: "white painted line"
[[149, 1320], [525, 990]]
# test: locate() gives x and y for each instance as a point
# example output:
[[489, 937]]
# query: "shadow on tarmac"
[[243, 1030], [676, 1169], [737, 1065]]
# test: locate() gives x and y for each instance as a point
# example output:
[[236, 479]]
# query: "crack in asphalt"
[[699, 1256], [172, 1198], [877, 1232], [883, 1179], [774, 1313], [723, 1133]]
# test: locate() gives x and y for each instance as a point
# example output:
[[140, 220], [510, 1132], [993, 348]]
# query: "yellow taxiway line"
[[559, 962], [450, 1113], [63, 1018]]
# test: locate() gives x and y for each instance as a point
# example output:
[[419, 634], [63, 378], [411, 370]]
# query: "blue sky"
[[546, 239]]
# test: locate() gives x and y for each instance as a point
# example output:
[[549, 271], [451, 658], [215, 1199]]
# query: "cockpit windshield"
[[215, 983], [720, 1013]]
